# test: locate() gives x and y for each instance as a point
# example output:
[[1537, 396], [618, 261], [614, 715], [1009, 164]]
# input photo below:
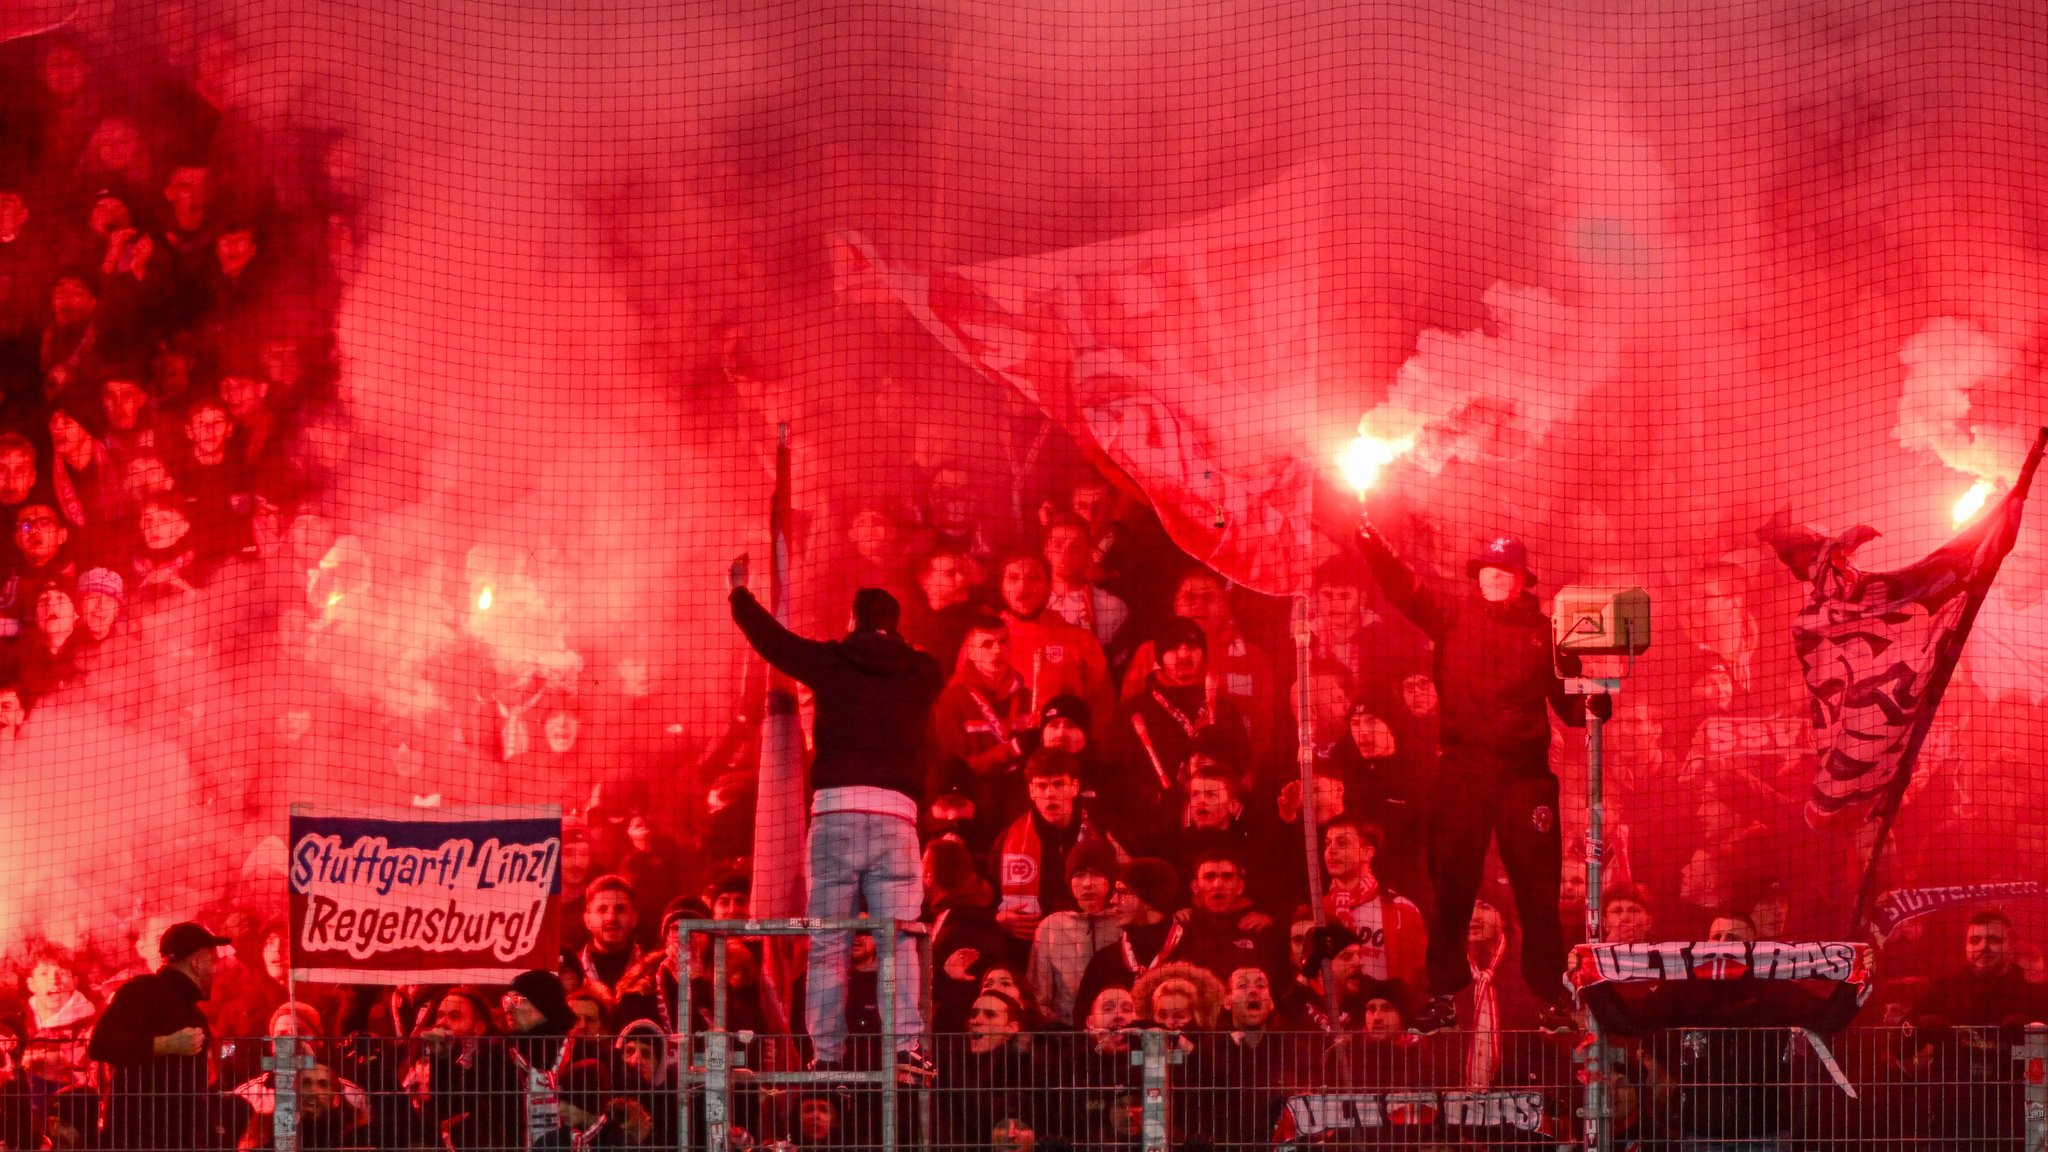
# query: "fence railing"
[[1696, 1090]]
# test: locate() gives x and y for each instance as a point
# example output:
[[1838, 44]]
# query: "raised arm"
[[795, 657], [1416, 601]]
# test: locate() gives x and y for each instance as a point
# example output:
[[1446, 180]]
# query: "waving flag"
[[1184, 356], [1879, 647], [779, 820]]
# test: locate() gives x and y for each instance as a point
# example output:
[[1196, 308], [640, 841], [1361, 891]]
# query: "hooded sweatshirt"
[[1494, 667], [873, 694]]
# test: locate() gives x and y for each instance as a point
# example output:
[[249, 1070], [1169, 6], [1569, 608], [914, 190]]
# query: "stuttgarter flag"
[[1184, 356], [424, 897], [1878, 647]]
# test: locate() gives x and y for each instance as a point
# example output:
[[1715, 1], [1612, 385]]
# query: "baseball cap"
[[182, 940]]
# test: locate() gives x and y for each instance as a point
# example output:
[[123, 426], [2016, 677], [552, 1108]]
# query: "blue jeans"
[[861, 861]]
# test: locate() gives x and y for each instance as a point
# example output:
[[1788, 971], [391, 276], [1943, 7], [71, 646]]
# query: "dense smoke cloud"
[[1634, 277], [1709, 238]]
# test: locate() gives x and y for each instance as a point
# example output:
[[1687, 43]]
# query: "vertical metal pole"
[[2033, 1055], [1598, 1134], [1305, 754], [1305, 763], [680, 1026], [284, 1080], [885, 992], [1596, 844], [925, 1118], [1152, 1058], [717, 1060], [284, 1120]]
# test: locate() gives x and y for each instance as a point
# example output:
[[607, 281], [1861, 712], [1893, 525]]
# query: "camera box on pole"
[[1590, 621]]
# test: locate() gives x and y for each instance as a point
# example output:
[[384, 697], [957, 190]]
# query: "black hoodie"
[[874, 696], [1493, 666]]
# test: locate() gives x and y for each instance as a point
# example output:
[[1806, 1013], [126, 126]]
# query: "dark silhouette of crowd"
[[166, 317]]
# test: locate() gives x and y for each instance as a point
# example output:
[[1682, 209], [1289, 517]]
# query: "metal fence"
[[1696, 1090]]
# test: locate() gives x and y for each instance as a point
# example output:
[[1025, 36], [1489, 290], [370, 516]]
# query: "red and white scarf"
[[1020, 857], [1361, 907], [1482, 1060], [1192, 725], [996, 727], [68, 500], [1166, 948]]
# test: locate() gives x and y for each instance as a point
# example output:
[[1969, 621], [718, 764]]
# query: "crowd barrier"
[[1143, 1088]]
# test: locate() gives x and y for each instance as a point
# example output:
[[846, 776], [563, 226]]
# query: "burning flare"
[[483, 599], [1365, 458], [1972, 502]]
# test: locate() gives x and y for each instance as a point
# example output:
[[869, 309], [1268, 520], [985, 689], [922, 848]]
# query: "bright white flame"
[[1972, 502], [483, 599], [1365, 458]]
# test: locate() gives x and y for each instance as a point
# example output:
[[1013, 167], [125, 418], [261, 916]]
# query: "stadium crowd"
[[1101, 805]]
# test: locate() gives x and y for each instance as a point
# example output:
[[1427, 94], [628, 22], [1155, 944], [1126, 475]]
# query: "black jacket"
[[1494, 668], [1110, 968], [1215, 941], [160, 1102], [874, 696], [475, 1096], [969, 922], [1140, 810]]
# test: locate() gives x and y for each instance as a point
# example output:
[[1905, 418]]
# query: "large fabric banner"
[[1903, 904], [1186, 357], [1639, 988], [1878, 647], [423, 897]]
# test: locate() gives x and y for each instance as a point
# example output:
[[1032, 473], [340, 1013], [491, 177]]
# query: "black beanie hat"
[[1154, 881], [1178, 630], [1069, 707], [1394, 992], [544, 989], [584, 1084], [874, 610]]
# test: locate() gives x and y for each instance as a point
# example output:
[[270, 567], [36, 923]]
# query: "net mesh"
[[404, 378]]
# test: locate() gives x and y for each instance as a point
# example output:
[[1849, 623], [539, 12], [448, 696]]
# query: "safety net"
[[1271, 417]]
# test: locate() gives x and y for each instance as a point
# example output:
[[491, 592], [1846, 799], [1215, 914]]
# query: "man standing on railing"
[[1496, 676], [874, 696], [155, 1039]]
